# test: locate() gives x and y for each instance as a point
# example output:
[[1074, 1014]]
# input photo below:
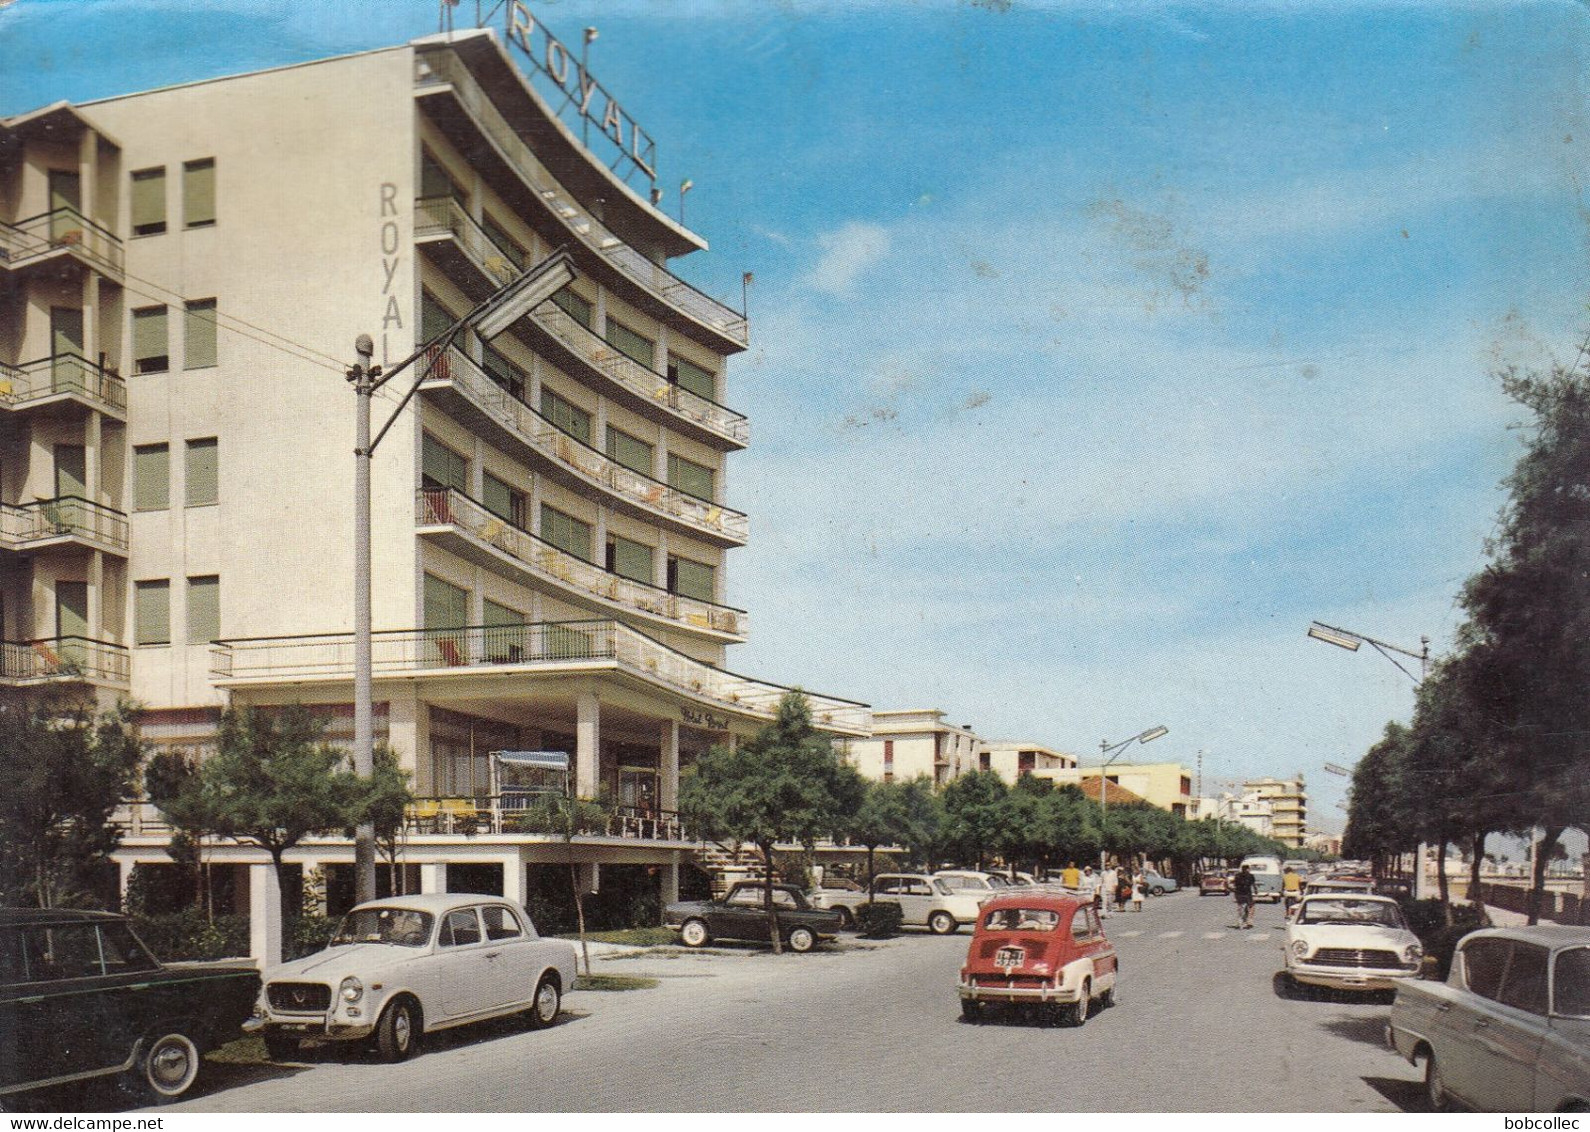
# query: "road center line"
[[1169, 935]]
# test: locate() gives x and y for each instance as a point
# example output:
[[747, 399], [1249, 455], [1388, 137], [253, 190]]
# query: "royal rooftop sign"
[[549, 58]]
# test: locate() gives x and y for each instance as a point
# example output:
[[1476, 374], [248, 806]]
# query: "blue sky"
[[1097, 347]]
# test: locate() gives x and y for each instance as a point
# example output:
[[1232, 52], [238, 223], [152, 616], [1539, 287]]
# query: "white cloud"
[[846, 254]]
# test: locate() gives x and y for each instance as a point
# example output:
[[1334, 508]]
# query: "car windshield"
[[1572, 983], [1380, 913], [1021, 920], [962, 883], [402, 926]]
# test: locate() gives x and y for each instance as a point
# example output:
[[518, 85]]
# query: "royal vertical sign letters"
[[549, 58]]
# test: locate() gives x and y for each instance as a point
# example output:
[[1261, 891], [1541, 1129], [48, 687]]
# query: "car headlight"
[[1413, 953], [1300, 948], [352, 990]]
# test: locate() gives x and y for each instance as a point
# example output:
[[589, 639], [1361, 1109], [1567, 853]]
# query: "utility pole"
[[362, 374]]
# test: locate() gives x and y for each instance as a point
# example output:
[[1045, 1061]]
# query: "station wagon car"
[[742, 915], [1042, 949], [925, 901], [1351, 941], [1509, 1030], [400, 967], [81, 997]]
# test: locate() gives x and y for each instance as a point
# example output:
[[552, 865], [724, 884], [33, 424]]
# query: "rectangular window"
[[446, 605], [627, 342], [691, 579], [149, 201], [566, 415], [204, 609], [690, 477], [435, 319], [688, 375], [441, 467], [502, 371], [202, 473], [576, 306], [628, 559], [436, 181], [494, 614], [566, 532], [198, 193], [199, 347], [152, 612], [502, 500], [151, 352], [506, 244], [151, 477], [634, 453]]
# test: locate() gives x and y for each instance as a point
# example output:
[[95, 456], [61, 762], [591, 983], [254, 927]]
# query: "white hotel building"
[[183, 273]]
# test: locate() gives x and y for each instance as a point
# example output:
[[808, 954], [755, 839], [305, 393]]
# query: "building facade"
[[1010, 759], [1288, 804], [1166, 785], [907, 743], [184, 273]]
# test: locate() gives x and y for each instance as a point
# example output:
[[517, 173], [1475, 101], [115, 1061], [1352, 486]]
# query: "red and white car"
[[1041, 949]]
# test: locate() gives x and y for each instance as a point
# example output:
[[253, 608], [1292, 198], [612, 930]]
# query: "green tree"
[[786, 783], [973, 815], [66, 770], [896, 813], [1381, 822]]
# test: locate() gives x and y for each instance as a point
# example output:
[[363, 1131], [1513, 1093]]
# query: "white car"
[[401, 966], [1352, 942], [925, 901], [983, 885]]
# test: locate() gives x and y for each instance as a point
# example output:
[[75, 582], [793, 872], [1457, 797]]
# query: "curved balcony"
[[444, 224], [472, 396], [61, 233], [62, 378], [711, 421], [467, 529], [450, 79], [546, 646], [63, 660], [69, 519]]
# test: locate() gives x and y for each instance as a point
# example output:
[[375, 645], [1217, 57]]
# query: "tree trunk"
[[767, 898], [579, 911], [1440, 877], [1537, 890]]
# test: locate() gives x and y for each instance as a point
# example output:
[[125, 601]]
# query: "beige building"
[[909, 742], [1010, 759], [1288, 804], [1166, 785], [184, 273]]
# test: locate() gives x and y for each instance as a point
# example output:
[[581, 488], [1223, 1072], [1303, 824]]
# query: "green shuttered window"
[[446, 605], [151, 350], [199, 346], [440, 466], [690, 477], [575, 306], [204, 609], [566, 532], [149, 202], [691, 579], [688, 375], [151, 477], [202, 472], [502, 500], [198, 193], [152, 612], [634, 453], [627, 342], [566, 416], [629, 559]]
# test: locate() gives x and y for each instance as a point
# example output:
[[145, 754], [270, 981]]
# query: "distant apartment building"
[[1010, 759], [1166, 785], [910, 742], [1288, 804], [183, 273]]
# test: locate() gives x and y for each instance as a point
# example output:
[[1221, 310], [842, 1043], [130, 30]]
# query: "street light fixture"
[[490, 318], [1118, 749]]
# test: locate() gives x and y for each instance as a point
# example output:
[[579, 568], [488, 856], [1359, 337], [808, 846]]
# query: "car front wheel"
[[942, 923], [1435, 1094], [802, 939], [169, 1066], [397, 1032], [548, 1001], [694, 934], [1158, 891]]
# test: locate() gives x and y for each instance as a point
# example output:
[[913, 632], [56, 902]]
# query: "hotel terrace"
[[183, 273]]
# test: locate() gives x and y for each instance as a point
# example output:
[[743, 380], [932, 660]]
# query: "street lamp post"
[[490, 318], [1106, 748], [1349, 640]]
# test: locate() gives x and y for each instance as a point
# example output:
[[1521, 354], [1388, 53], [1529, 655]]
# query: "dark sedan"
[[81, 997], [743, 915]]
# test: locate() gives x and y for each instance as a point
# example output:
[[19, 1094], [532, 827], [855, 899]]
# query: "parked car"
[[82, 997], [1509, 1030], [1040, 948], [402, 967], [742, 914], [1158, 885], [971, 880], [1351, 941], [1214, 881], [925, 901]]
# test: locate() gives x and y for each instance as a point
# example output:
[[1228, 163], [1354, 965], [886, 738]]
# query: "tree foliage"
[[66, 770], [907, 814]]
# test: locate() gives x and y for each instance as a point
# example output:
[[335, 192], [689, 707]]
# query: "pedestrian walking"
[[1070, 876], [1124, 889], [1139, 890], [1242, 892], [1107, 888]]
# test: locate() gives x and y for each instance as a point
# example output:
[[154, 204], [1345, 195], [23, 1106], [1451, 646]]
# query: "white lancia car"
[[399, 967], [1351, 941]]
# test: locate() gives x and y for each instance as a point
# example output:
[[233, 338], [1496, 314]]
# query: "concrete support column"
[[659, 350], [587, 743], [590, 877], [670, 882], [433, 876], [264, 915], [599, 312], [123, 879], [405, 734], [513, 879], [668, 766]]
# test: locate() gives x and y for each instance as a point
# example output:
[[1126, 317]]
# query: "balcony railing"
[[546, 562], [643, 381], [594, 467], [556, 646], [60, 375], [435, 216], [63, 658], [67, 517], [59, 229], [654, 278]]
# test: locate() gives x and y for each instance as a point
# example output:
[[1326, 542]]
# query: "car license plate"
[[1007, 957]]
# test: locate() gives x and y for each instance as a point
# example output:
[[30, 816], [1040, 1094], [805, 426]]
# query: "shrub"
[[305, 935], [878, 921], [190, 935], [1427, 920]]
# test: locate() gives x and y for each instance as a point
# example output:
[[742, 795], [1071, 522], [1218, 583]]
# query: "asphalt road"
[[1198, 1026]]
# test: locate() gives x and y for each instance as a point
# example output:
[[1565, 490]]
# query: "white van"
[[1266, 877]]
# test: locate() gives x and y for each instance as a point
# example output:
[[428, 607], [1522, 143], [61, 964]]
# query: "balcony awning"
[[547, 760]]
